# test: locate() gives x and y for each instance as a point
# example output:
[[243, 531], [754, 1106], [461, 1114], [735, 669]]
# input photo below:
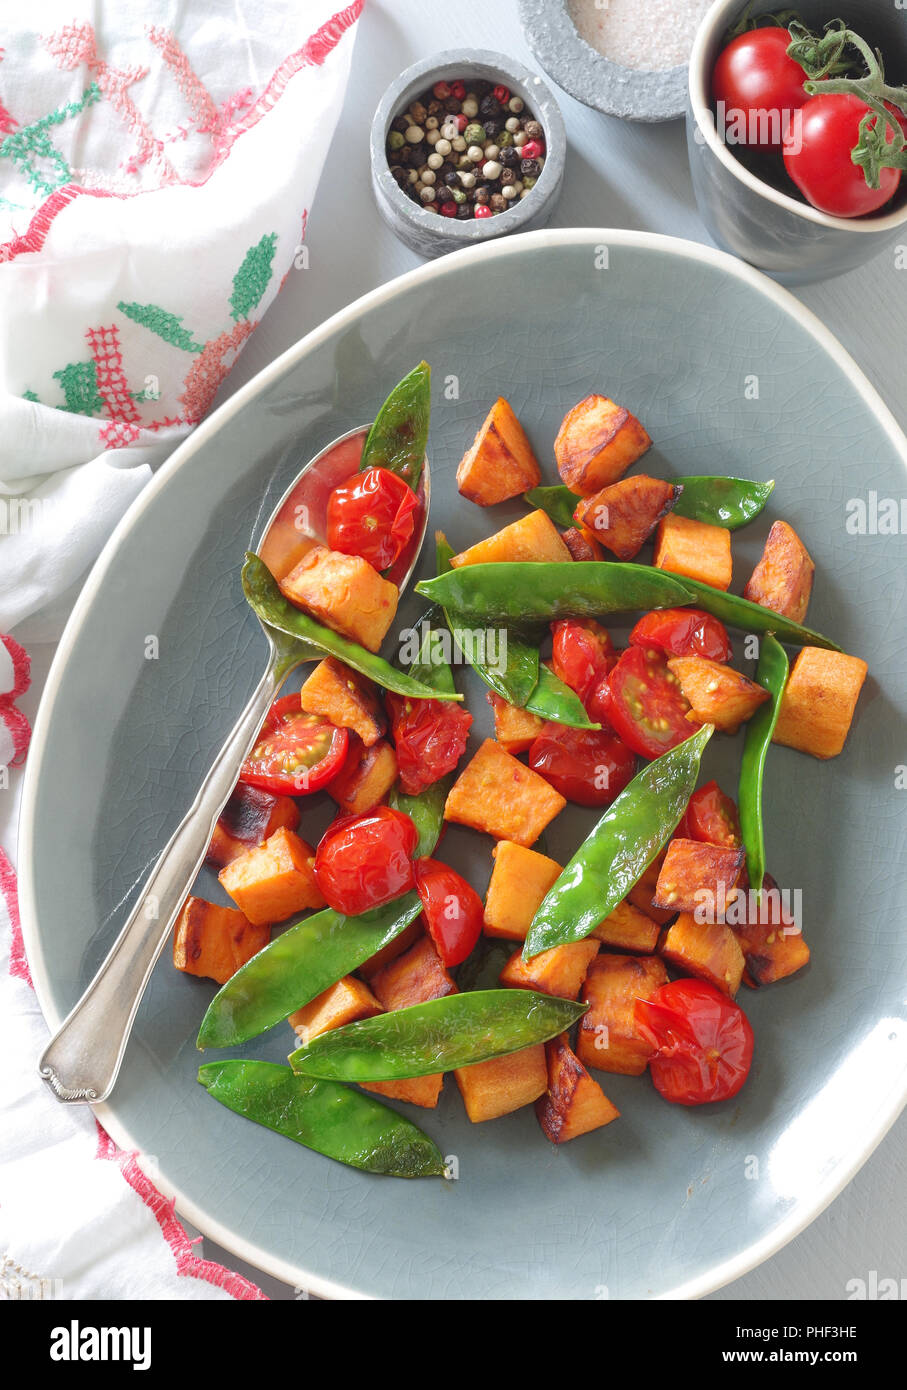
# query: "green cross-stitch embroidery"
[[79, 381], [160, 321], [253, 276], [24, 147]]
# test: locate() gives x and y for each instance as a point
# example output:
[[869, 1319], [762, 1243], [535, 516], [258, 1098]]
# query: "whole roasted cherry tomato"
[[365, 861], [582, 654], [756, 88], [296, 752], [711, 817], [586, 766], [817, 155], [683, 632], [453, 909], [703, 1041], [647, 707], [429, 737], [373, 515]]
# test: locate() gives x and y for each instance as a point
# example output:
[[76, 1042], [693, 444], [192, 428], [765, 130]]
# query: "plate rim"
[[752, 1255]]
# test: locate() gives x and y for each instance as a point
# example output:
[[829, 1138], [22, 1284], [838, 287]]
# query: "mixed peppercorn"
[[466, 151]]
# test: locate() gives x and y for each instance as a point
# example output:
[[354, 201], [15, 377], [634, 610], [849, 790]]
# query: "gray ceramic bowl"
[[428, 232], [592, 78], [775, 230]]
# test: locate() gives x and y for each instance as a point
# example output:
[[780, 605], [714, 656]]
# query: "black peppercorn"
[[509, 156], [481, 194], [452, 106], [400, 123], [493, 126], [530, 168], [463, 211], [452, 179], [489, 105], [443, 194], [497, 202], [435, 107], [534, 130]]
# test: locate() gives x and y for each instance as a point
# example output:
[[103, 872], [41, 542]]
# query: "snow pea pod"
[[772, 674], [558, 502], [264, 597], [397, 439], [728, 502], [620, 848], [333, 1120], [300, 963], [752, 617], [524, 591], [438, 1036]]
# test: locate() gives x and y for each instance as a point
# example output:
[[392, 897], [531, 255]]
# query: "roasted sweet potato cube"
[[608, 1038], [413, 978], [344, 593], [708, 950], [408, 937], [783, 578], [533, 537], [717, 694], [628, 929], [500, 796], [214, 941], [697, 875], [624, 515], [366, 778], [596, 444], [345, 1002], [695, 549], [346, 699], [503, 1084], [519, 881], [819, 700], [514, 729], [769, 935], [574, 1104], [248, 818], [500, 463], [560, 971], [424, 1091], [274, 880], [582, 544], [643, 891]]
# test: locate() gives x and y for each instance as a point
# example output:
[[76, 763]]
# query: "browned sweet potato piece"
[[214, 941], [533, 537], [412, 978], [345, 699], [345, 1002], [574, 1104], [519, 881], [628, 929], [275, 880], [408, 937], [581, 543], [771, 940], [344, 593], [695, 874], [783, 578], [596, 444], [717, 694], [500, 796], [500, 463], [514, 729], [695, 549], [561, 970], [608, 1039], [643, 891], [624, 515], [503, 1084], [365, 779], [248, 818], [819, 701], [708, 950]]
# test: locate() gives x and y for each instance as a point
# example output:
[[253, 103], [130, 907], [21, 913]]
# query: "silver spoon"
[[82, 1060]]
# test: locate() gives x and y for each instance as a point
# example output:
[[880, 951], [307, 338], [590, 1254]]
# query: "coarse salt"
[[649, 35]]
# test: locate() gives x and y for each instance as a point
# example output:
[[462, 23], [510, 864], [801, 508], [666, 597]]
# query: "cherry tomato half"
[[647, 708], [711, 817], [703, 1039], [365, 861], [373, 515], [757, 87], [817, 154], [584, 765], [429, 738], [452, 907], [296, 752], [582, 654], [683, 632]]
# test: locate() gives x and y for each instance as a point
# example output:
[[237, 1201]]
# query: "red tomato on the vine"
[[373, 515], [703, 1042], [364, 861], [588, 766], [429, 738], [757, 87], [817, 155], [296, 753], [452, 907]]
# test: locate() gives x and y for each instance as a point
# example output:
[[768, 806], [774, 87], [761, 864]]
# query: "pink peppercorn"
[[480, 210], [532, 149], [458, 89], [441, 90], [462, 122], [502, 94], [447, 209]]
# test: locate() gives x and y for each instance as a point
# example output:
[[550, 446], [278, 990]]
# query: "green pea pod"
[[752, 617], [304, 960], [552, 699], [444, 553], [527, 591], [333, 1120], [728, 502], [619, 850], [397, 439], [558, 502], [438, 1036], [772, 674], [264, 597]]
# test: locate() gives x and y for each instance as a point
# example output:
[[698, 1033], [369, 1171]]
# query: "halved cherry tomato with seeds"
[[452, 907], [587, 766], [711, 817], [429, 738], [373, 515], [703, 1042], [364, 861], [683, 632], [582, 654], [296, 752], [647, 707]]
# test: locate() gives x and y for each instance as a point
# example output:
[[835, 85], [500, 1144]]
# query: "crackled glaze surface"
[[662, 1200]]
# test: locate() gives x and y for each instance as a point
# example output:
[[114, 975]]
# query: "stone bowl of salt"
[[627, 58]]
